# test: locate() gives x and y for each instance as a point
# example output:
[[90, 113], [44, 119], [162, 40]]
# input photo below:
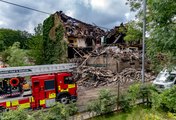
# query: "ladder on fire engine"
[[23, 71]]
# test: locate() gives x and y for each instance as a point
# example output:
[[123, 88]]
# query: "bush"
[[165, 100], [169, 99], [72, 108], [124, 103], [58, 112], [128, 99], [135, 93], [155, 99], [105, 103], [18, 114]]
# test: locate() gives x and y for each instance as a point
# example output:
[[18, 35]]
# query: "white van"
[[165, 79]]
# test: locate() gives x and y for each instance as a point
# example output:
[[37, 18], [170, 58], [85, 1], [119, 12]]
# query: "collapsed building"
[[103, 57], [82, 37], [97, 47], [79, 35], [116, 35]]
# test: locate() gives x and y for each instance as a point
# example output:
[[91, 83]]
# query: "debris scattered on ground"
[[113, 66], [99, 76]]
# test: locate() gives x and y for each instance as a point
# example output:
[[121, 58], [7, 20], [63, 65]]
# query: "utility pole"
[[143, 41]]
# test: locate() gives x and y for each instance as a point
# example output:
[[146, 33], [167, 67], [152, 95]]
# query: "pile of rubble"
[[113, 66], [114, 51], [90, 77]]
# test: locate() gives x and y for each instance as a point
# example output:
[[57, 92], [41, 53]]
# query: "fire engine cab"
[[49, 84]]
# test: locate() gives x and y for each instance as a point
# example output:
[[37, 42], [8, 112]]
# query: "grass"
[[120, 116], [138, 113]]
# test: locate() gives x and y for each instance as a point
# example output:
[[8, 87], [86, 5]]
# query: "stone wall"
[[112, 63]]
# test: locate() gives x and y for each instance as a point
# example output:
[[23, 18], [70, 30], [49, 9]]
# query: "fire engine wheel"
[[64, 99], [2, 109]]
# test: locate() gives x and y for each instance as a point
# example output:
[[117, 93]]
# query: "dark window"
[[175, 82], [36, 84], [49, 85], [171, 78], [1, 84], [68, 80], [71, 41]]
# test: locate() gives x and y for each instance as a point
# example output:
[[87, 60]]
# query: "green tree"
[[36, 49], [161, 27], [134, 32], [135, 5], [39, 29], [8, 37], [24, 38], [14, 56], [35, 45], [163, 31]]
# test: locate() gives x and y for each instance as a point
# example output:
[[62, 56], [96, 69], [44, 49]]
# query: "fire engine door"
[[43, 87], [67, 81], [63, 86], [38, 90]]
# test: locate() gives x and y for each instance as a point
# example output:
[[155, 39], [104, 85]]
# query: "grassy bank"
[[138, 113]]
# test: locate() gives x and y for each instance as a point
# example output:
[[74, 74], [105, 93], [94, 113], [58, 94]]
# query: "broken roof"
[[66, 18]]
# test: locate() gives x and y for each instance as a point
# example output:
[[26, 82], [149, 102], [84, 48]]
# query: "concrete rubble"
[[91, 77], [102, 74]]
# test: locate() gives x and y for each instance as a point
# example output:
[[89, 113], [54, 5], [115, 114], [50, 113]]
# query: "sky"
[[104, 13]]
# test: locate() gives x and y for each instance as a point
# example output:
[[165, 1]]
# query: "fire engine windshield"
[[68, 80]]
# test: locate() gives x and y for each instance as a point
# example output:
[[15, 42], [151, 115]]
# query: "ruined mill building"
[[84, 37]]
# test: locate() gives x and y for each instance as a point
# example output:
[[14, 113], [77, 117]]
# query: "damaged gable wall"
[[78, 33], [55, 48]]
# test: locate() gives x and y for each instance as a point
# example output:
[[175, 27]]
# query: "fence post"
[[118, 93]]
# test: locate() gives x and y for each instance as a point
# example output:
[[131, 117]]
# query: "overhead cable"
[[29, 8]]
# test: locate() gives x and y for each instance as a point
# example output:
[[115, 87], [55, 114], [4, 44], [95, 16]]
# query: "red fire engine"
[[49, 84]]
